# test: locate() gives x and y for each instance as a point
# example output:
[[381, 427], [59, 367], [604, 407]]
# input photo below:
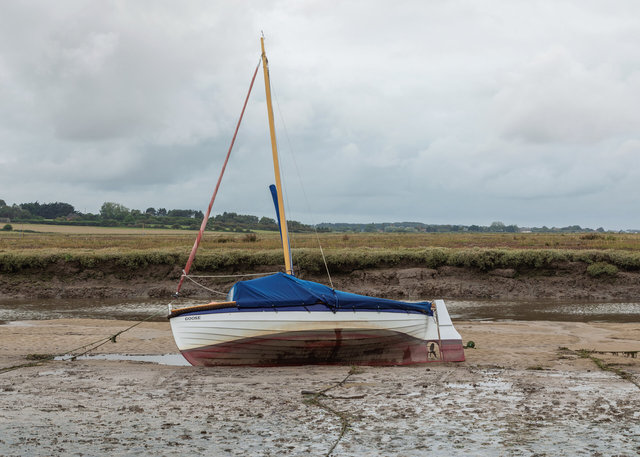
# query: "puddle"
[[488, 385], [52, 373], [17, 324], [176, 360]]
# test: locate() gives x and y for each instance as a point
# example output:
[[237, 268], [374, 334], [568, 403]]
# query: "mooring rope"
[[604, 366], [42, 358], [96, 344], [313, 398]]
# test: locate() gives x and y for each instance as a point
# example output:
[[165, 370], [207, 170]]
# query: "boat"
[[280, 319]]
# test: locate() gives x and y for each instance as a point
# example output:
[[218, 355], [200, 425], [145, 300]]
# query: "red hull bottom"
[[331, 347]]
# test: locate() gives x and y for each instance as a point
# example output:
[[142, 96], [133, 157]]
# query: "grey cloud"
[[558, 99], [438, 112]]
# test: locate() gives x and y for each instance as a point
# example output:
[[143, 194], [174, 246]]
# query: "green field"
[[63, 237], [135, 248]]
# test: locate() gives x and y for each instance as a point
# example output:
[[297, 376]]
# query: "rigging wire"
[[203, 286], [304, 193], [205, 219], [190, 278], [234, 276]]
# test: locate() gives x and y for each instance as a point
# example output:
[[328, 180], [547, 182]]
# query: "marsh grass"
[[222, 257], [483, 252], [151, 239], [599, 269]]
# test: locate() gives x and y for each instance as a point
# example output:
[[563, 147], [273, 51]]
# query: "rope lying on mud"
[[604, 366], [24, 365], [314, 399], [96, 344], [39, 359]]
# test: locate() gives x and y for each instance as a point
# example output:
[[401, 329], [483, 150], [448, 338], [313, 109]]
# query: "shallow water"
[[488, 310], [162, 359], [544, 310], [39, 309]]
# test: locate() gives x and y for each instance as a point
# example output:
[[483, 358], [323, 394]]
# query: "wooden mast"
[[276, 166]]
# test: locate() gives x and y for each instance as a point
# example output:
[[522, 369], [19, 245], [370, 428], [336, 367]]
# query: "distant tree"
[[266, 223], [2, 203], [90, 217], [161, 212], [33, 208], [114, 211], [7, 227], [48, 210], [151, 211], [295, 226], [14, 212], [571, 228], [497, 226], [181, 213]]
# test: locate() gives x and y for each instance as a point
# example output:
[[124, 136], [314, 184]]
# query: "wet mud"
[[526, 390], [563, 282]]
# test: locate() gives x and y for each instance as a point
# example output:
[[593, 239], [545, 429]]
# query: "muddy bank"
[[518, 393], [564, 281]]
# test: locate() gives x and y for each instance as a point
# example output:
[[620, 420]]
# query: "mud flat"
[[518, 393], [567, 283]]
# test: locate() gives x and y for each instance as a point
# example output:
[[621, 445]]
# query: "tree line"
[[117, 215], [114, 214], [416, 227]]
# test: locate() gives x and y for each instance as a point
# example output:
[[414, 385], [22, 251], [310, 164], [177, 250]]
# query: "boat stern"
[[441, 331]]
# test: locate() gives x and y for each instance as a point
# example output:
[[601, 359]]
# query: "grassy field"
[[136, 248], [66, 237], [85, 230]]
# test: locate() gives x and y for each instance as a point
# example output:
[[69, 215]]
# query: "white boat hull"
[[305, 337]]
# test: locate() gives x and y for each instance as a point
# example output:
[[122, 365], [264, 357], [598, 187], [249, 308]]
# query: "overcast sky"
[[467, 112]]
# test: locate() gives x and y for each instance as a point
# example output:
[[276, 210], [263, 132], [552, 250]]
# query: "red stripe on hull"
[[331, 347]]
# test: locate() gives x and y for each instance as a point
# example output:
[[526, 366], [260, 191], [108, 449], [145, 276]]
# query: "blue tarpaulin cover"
[[282, 290]]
